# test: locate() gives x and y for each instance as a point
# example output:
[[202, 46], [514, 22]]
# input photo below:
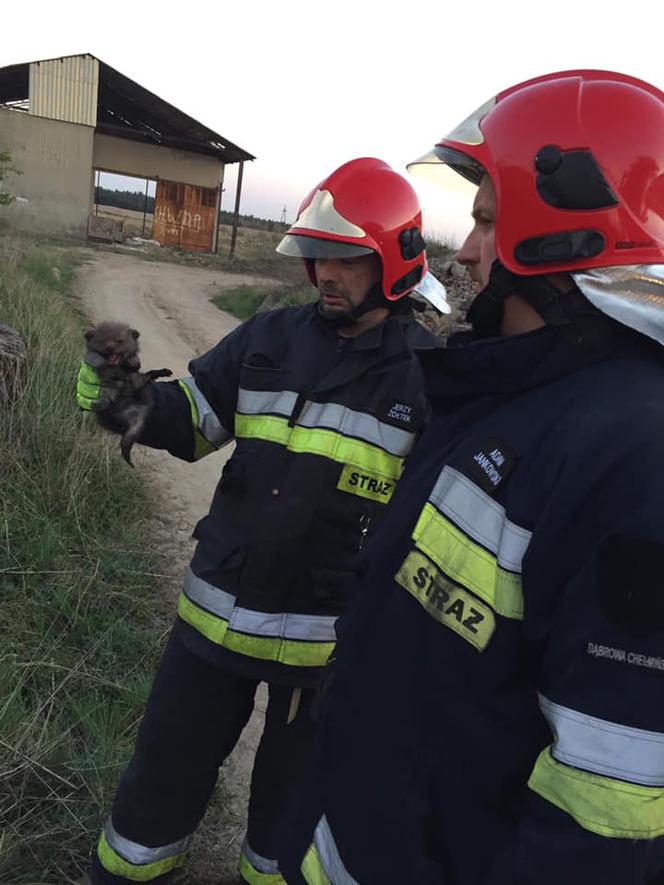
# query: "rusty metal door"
[[184, 216]]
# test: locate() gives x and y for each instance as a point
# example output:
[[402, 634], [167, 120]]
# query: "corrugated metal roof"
[[65, 89]]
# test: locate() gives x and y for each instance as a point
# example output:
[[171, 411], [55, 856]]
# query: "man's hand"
[[90, 395]]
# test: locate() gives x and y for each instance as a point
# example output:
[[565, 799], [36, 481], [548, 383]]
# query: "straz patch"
[[445, 601], [366, 485], [491, 463]]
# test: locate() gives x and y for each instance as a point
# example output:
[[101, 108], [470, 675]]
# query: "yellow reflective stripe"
[[312, 868], [201, 446], [267, 648], [468, 563], [117, 865], [255, 877], [319, 441], [600, 804]]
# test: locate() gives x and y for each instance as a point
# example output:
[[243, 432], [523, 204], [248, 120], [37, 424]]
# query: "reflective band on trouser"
[[469, 564], [209, 433], [258, 870], [603, 747], [322, 864], [599, 804], [298, 640], [326, 443], [327, 416], [135, 862]]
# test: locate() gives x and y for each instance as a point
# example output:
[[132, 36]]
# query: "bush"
[[5, 167], [244, 301], [241, 301], [77, 640], [438, 247]]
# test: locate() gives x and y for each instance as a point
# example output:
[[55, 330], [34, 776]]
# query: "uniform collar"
[[470, 367], [392, 328], [381, 346]]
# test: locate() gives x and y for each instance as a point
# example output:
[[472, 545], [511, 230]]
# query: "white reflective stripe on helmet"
[[632, 294], [469, 131], [605, 748], [321, 215]]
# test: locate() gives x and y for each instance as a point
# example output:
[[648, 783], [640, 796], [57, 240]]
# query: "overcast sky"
[[306, 86]]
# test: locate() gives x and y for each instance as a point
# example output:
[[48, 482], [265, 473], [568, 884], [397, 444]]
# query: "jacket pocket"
[[220, 546], [332, 589], [256, 376]]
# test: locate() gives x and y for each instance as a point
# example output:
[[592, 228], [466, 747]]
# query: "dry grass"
[[77, 644]]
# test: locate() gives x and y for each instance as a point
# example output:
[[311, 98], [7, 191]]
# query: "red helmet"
[[364, 206], [577, 162]]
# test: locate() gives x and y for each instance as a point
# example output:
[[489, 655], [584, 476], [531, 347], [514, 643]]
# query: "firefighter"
[[324, 402], [495, 715]]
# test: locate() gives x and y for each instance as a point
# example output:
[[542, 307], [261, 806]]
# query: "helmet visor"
[[434, 164], [299, 246]]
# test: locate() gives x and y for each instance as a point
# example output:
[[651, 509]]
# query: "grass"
[[440, 247], [77, 635], [243, 301]]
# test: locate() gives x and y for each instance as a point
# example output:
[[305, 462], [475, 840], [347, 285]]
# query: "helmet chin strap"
[[373, 299], [555, 307]]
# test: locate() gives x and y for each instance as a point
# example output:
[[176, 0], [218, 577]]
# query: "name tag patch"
[[491, 464], [445, 601], [367, 485], [398, 413]]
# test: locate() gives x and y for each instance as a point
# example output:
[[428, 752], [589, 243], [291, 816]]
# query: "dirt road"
[[169, 305]]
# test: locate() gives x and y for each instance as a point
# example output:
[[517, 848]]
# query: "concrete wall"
[[55, 190], [149, 161]]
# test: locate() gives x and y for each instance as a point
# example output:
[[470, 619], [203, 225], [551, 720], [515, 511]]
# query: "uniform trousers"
[[194, 717]]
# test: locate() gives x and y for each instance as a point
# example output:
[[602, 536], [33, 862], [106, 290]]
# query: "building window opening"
[[127, 200]]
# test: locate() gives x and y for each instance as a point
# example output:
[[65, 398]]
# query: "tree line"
[[135, 201]]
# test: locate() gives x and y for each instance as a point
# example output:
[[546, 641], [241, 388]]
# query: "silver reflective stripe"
[[261, 864], [357, 424], [209, 425], [212, 598], [266, 402], [329, 855], [140, 855], [283, 625], [480, 517], [330, 416], [606, 748]]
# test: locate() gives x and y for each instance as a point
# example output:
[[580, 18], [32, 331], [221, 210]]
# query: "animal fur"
[[112, 350]]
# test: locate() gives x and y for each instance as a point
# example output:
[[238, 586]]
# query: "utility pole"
[[283, 216]]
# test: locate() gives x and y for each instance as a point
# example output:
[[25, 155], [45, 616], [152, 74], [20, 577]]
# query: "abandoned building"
[[66, 119]]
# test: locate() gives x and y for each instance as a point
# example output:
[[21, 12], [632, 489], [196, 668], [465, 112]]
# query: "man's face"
[[479, 249], [343, 283]]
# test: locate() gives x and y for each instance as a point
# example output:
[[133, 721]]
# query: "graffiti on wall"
[[184, 216]]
